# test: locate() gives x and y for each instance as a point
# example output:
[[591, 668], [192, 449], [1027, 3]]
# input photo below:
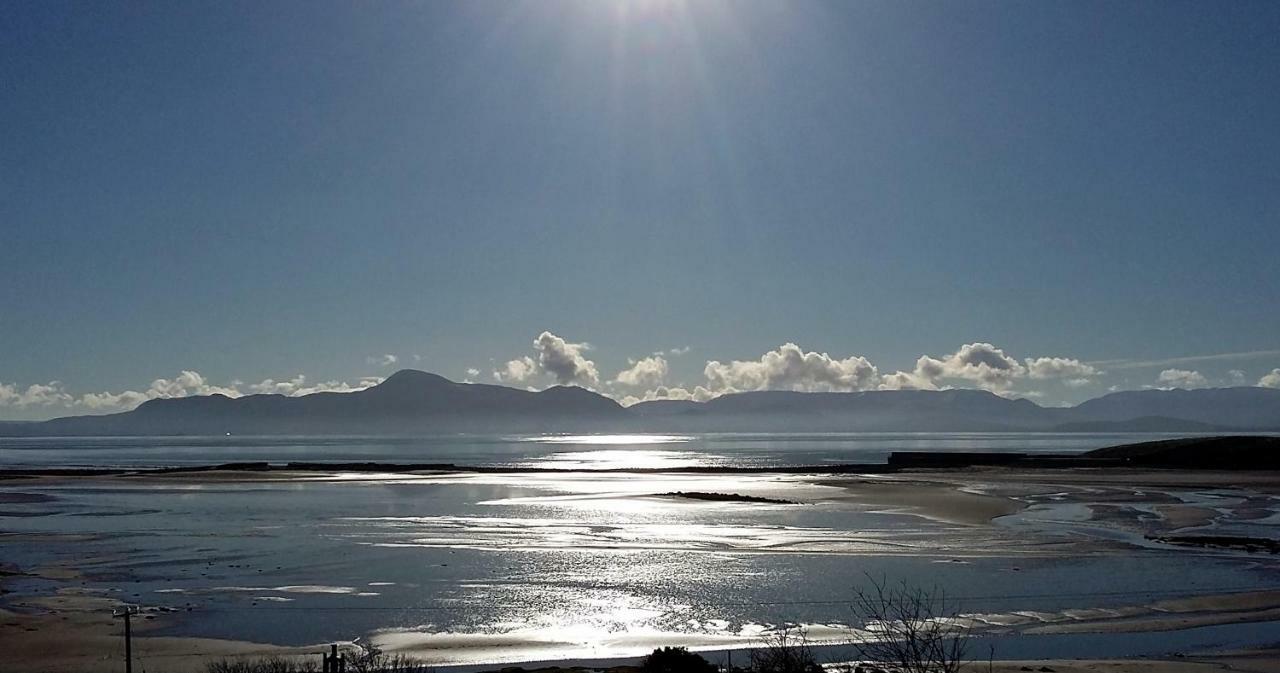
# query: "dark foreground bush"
[[369, 660], [265, 665], [675, 660], [373, 660]]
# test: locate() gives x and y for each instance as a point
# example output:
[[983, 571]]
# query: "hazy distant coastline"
[[412, 401]]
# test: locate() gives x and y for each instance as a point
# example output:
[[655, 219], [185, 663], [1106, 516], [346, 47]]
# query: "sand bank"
[[71, 632], [946, 502]]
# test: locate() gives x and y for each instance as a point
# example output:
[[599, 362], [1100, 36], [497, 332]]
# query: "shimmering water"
[[549, 450], [508, 567]]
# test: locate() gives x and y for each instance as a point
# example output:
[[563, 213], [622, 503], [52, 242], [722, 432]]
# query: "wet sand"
[[1259, 480], [946, 502], [1146, 501], [1165, 615], [74, 632]]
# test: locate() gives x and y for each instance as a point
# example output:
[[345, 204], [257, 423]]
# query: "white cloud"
[[790, 368], [921, 378], [274, 387], [698, 394], [122, 401], [980, 363], [564, 360], [1271, 380], [186, 383], [1181, 378], [34, 395], [384, 360], [644, 373], [560, 359], [1059, 368], [339, 386], [1236, 376], [473, 372], [297, 386], [990, 368], [517, 371]]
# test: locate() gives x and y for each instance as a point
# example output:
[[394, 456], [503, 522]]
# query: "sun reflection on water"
[[625, 459], [609, 439]]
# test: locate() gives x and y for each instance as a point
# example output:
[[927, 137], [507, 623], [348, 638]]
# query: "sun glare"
[[622, 459], [610, 439]]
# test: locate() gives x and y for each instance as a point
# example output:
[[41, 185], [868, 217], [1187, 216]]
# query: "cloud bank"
[[190, 382], [34, 395], [789, 367], [184, 384], [985, 366], [552, 359], [298, 386], [1181, 378], [979, 364]]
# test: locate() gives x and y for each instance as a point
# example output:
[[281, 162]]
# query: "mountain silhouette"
[[412, 401], [1242, 407]]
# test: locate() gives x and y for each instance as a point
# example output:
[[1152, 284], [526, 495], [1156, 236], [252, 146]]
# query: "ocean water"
[[534, 450], [480, 568]]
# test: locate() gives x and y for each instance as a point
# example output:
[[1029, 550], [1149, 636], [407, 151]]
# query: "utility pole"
[[128, 636]]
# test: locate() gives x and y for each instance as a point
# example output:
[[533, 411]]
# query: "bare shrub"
[[912, 630], [786, 650], [372, 659]]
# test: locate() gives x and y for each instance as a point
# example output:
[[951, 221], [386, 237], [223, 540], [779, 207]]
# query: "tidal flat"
[[477, 569]]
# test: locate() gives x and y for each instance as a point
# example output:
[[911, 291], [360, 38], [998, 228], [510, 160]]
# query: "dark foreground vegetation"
[[367, 660]]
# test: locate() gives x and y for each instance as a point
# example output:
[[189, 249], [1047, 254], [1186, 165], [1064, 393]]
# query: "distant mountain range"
[[412, 401]]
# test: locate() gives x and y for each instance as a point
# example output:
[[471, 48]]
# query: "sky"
[[646, 197]]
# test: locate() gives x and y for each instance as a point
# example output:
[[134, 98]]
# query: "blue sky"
[[254, 191]]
